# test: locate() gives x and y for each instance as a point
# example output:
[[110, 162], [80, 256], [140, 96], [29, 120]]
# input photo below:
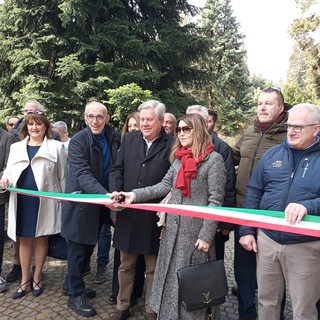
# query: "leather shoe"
[[112, 300], [151, 316], [81, 307], [234, 290], [14, 274], [89, 293], [121, 315]]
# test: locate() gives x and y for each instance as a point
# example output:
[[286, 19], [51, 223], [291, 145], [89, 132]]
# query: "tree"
[[68, 52], [125, 100], [228, 88], [304, 68]]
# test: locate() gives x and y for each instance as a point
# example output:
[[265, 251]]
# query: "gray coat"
[[181, 232]]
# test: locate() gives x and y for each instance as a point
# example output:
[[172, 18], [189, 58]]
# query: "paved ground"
[[52, 305]]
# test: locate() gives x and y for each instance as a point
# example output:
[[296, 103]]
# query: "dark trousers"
[[78, 256], [138, 280], [245, 275], [219, 242], [245, 266], [2, 211], [104, 244]]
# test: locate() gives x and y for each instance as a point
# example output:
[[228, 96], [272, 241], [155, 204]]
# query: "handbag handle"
[[192, 253]]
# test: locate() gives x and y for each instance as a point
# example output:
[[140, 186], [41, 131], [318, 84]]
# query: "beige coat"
[[50, 172]]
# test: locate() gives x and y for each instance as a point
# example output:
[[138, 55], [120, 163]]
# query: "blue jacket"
[[275, 183]]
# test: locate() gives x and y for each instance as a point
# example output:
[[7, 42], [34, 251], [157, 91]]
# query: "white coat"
[[50, 168]]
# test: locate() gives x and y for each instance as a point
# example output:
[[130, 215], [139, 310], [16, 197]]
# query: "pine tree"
[[66, 53], [228, 86]]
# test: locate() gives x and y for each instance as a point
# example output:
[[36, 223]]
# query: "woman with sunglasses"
[[37, 162], [197, 177]]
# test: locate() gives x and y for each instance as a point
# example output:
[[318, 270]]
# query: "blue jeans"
[[78, 255], [104, 243], [2, 211]]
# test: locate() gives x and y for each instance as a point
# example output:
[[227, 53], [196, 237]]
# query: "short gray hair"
[[159, 107], [203, 111], [312, 110], [60, 124], [38, 105]]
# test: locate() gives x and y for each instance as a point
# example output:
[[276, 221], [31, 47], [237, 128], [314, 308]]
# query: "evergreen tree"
[[66, 53], [228, 88], [304, 68]]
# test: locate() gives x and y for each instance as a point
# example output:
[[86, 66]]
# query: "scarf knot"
[[188, 169]]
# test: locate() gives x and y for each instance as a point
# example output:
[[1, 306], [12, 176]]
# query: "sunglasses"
[[33, 112], [272, 89], [184, 129], [11, 124]]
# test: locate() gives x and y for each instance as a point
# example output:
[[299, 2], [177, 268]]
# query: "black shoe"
[[234, 290], [101, 275], [34, 285], [81, 307], [20, 292], [112, 300], [89, 293], [86, 270], [14, 274]]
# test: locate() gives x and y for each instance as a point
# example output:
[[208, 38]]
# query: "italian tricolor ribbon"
[[310, 225]]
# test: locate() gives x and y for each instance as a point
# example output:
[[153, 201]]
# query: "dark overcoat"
[[81, 221], [6, 140], [136, 231]]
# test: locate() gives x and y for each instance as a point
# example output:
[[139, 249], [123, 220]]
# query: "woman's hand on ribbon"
[[4, 183]]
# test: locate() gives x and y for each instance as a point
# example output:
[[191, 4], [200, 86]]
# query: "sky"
[[265, 23]]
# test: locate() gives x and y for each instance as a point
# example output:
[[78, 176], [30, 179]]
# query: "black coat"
[[6, 140], [81, 221], [136, 231], [225, 150]]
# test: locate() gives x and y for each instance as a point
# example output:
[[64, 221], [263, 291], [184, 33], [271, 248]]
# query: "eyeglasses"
[[33, 112], [98, 117], [184, 129], [298, 129]]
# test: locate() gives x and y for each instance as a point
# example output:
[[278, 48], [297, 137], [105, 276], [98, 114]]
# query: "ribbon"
[[274, 220]]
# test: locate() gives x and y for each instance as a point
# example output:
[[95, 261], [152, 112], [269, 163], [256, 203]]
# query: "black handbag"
[[202, 286], [57, 247]]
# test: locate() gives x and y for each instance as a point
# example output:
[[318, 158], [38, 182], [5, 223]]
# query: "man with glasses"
[[287, 179], [92, 152], [267, 130]]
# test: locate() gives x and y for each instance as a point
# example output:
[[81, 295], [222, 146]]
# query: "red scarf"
[[188, 169], [266, 125]]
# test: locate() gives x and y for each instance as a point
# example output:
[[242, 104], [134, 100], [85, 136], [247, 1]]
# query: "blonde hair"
[[200, 133]]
